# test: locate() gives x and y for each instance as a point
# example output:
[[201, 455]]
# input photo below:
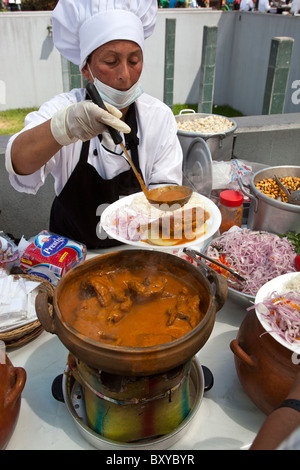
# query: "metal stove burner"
[[71, 393]]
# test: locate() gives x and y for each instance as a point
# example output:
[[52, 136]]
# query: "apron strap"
[[131, 139], [84, 152]]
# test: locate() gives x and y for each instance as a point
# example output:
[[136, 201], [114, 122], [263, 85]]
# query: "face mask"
[[119, 99]]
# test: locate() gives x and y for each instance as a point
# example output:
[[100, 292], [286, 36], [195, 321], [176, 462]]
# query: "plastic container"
[[231, 208], [9, 254]]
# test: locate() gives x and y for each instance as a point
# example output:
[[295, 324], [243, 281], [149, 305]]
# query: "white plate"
[[277, 284], [213, 224]]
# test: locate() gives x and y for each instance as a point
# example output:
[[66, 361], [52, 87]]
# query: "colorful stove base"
[[75, 402]]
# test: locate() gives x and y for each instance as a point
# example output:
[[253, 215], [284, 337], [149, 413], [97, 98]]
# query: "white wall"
[[244, 41], [188, 51], [31, 73], [30, 66]]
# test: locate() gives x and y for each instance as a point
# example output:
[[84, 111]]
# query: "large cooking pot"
[[219, 143], [266, 369], [145, 360], [269, 214]]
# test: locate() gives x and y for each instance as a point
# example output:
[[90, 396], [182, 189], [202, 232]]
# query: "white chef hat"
[[81, 26]]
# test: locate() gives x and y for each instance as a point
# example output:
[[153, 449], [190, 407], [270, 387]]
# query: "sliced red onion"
[[257, 256]]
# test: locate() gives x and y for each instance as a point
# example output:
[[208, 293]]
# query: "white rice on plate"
[[291, 285], [141, 206]]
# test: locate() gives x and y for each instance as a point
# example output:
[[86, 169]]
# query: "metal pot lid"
[[197, 167]]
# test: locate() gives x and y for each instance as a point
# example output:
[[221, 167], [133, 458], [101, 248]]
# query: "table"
[[225, 420]]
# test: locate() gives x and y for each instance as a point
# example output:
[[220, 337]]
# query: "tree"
[[38, 5]]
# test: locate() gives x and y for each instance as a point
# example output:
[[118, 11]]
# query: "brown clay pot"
[[12, 382], [265, 368], [136, 361]]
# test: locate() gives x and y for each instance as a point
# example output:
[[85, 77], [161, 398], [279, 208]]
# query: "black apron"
[[75, 212]]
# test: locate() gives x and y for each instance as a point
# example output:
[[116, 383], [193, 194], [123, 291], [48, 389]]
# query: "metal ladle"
[[294, 197], [175, 195]]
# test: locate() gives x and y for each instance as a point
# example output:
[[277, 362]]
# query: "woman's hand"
[[85, 120], [81, 121]]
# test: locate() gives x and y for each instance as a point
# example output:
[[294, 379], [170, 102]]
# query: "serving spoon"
[[196, 254], [166, 197], [294, 197]]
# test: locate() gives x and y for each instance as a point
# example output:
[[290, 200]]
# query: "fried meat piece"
[[150, 286], [187, 309], [185, 223]]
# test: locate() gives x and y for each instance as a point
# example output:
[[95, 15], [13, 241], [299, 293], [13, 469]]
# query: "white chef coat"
[[264, 6], [295, 7], [160, 153], [246, 5]]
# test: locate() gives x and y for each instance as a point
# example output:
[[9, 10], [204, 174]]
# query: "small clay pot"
[[12, 382], [265, 368]]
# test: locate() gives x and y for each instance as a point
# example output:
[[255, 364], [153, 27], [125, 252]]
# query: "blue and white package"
[[50, 256]]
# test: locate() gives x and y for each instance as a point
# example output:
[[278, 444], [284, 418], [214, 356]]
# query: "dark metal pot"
[[212, 289]]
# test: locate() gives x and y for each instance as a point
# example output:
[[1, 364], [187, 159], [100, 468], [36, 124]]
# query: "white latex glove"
[[83, 121]]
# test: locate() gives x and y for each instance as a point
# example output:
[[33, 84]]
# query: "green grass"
[[12, 121]]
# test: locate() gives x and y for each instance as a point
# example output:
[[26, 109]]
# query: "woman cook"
[[68, 137]]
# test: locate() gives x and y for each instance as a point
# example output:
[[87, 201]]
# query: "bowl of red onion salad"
[[257, 255], [277, 306]]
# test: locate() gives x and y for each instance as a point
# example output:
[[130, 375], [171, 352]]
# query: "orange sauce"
[[131, 308], [169, 195]]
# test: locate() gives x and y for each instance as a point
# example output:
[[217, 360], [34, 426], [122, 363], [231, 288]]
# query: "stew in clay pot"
[[134, 312], [132, 307]]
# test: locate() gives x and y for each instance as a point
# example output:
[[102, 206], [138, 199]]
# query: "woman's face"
[[117, 64]]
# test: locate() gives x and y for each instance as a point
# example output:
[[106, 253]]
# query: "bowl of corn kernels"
[[269, 208], [270, 187]]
